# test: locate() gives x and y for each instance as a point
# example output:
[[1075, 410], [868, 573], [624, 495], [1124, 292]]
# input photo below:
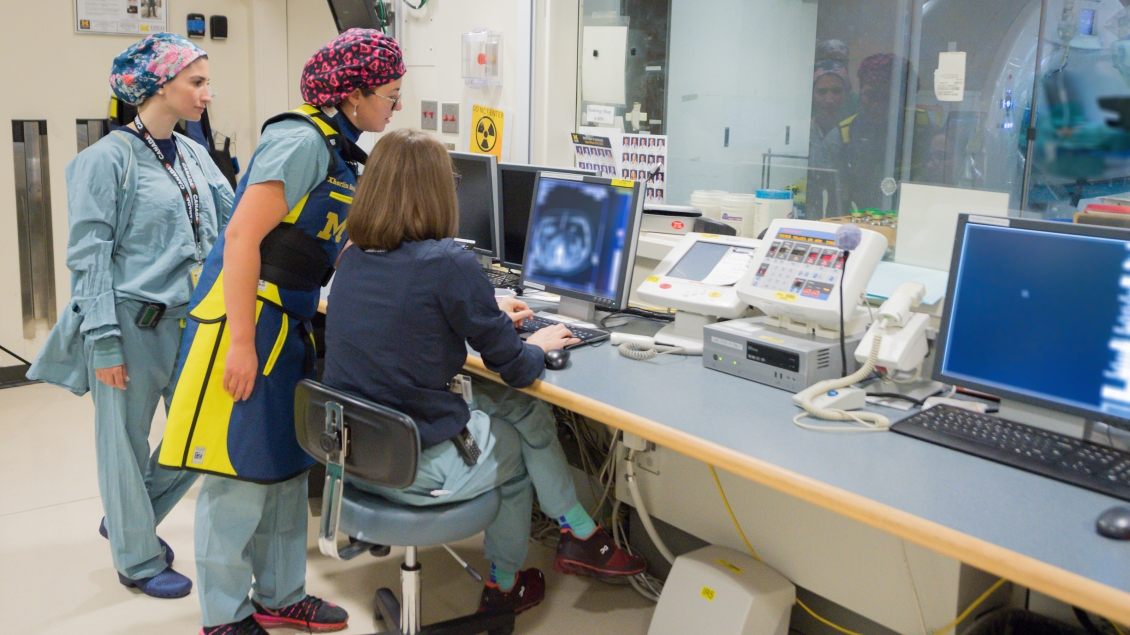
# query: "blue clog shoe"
[[166, 585]]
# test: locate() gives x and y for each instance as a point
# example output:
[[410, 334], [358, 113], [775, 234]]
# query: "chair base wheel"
[[388, 609]]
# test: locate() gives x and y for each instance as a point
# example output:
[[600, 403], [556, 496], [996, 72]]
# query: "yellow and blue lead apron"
[[254, 440]]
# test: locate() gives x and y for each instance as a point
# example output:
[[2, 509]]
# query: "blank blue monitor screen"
[[1044, 315], [578, 236]]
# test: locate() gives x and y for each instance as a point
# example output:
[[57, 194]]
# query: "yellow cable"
[[1117, 628], [813, 614], [732, 517], [964, 614]]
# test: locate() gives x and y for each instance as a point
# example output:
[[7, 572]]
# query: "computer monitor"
[[581, 241], [478, 200], [348, 14], [1038, 313], [516, 194]]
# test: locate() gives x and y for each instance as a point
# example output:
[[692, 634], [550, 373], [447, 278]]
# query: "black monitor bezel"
[[522, 167], [374, 20], [495, 215], [1092, 231], [626, 266]]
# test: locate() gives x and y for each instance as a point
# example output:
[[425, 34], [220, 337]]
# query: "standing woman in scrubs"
[[249, 343], [145, 206]]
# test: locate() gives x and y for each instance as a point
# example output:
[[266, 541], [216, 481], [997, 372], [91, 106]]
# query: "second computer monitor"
[[582, 236], [1039, 313], [516, 197], [477, 191]]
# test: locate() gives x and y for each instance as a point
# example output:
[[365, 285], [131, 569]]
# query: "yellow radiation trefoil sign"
[[486, 130]]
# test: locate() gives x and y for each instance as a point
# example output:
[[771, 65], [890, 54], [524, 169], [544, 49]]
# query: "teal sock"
[[578, 520], [504, 579]]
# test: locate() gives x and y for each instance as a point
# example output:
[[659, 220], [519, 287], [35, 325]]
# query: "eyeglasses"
[[394, 100], [458, 177]]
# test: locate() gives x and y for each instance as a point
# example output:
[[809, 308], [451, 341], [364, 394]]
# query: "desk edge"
[[1045, 578]]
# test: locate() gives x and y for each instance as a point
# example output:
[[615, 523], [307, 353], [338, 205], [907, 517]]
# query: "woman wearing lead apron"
[[145, 206], [248, 342]]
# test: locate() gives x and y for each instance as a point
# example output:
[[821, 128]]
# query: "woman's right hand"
[[552, 338], [115, 376], [240, 369]]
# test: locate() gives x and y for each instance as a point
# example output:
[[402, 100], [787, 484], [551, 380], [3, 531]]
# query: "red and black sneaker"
[[309, 614], [528, 591], [596, 556]]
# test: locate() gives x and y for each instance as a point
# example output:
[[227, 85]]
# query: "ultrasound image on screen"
[[577, 234], [476, 202]]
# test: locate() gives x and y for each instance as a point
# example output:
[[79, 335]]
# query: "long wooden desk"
[[1031, 530]]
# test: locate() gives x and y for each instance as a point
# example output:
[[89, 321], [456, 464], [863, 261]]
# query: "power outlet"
[[428, 115], [649, 461], [450, 114]]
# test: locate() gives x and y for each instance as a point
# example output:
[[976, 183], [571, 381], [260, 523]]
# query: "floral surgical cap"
[[147, 65]]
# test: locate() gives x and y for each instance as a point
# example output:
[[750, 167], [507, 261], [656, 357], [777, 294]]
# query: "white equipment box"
[[723, 592], [697, 279], [797, 276]]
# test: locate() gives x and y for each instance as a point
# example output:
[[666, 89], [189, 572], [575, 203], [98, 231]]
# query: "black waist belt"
[[293, 259]]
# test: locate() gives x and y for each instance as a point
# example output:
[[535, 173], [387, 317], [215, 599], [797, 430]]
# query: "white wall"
[[746, 66], [52, 73], [432, 46]]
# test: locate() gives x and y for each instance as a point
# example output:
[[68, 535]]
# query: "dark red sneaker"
[[595, 556], [308, 614], [528, 592]]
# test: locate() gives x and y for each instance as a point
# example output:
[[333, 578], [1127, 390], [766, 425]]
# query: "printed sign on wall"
[[121, 17]]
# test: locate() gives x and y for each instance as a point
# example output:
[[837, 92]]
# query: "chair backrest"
[[383, 445]]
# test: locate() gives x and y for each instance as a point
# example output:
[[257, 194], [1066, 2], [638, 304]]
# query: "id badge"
[[194, 274]]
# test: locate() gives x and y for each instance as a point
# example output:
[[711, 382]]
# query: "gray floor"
[[56, 576]]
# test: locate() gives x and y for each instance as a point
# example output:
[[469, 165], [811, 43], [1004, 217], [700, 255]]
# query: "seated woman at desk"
[[406, 300]]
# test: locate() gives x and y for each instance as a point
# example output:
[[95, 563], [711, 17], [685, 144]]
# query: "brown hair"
[[406, 193]]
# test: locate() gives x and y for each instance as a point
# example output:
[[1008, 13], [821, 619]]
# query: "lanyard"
[[191, 197]]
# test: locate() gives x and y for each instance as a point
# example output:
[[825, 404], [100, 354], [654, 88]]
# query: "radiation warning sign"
[[487, 125]]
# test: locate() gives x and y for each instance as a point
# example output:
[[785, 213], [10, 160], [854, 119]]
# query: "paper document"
[[730, 268], [889, 275], [949, 78]]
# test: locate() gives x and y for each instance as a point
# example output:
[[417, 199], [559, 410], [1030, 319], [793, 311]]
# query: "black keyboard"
[[587, 336], [1067, 459], [502, 279]]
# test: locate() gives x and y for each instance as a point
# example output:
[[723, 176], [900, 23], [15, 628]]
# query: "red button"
[[665, 286]]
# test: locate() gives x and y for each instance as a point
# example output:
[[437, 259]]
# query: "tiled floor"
[[55, 571]]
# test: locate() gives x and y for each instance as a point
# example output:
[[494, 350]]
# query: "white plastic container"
[[709, 202], [769, 206], [737, 212]]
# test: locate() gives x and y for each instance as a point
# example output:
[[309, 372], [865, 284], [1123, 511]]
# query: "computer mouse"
[[1113, 523], [557, 358]]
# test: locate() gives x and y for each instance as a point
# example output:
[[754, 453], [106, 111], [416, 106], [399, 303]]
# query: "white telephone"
[[903, 347], [897, 339]]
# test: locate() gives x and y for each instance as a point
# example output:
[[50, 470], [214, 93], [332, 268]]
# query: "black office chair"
[[378, 445]]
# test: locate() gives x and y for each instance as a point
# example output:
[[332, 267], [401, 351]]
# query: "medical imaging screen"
[[578, 236], [1042, 314], [476, 201], [517, 197]]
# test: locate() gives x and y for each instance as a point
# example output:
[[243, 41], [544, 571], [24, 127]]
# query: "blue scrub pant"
[[137, 494], [249, 537], [518, 437]]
